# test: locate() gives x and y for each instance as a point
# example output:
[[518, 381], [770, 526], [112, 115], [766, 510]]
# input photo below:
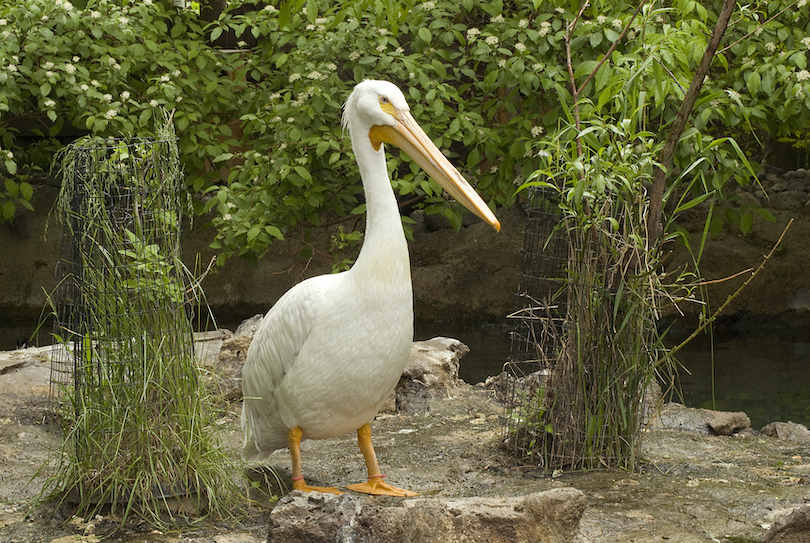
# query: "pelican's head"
[[379, 107]]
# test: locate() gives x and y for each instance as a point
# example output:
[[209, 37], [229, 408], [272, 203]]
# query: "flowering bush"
[[104, 69], [486, 78]]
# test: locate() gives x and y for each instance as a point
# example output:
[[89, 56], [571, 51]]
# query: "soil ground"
[[691, 488]]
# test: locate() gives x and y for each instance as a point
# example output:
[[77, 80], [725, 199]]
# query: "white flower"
[[48, 65], [3, 22], [147, 2], [382, 31], [9, 155], [545, 28], [290, 120], [44, 18], [76, 58], [49, 74], [806, 41], [502, 63], [331, 67], [428, 6], [523, 23], [803, 75], [84, 87], [310, 27], [733, 94], [95, 15], [601, 19], [497, 19], [537, 131], [49, 103], [770, 46], [241, 44], [381, 48], [70, 68], [12, 67], [354, 55], [165, 78], [124, 20], [315, 74], [617, 24], [399, 50], [125, 95], [111, 113], [178, 99], [520, 47], [177, 73], [472, 33], [539, 67], [492, 40], [111, 61], [801, 3], [107, 97], [293, 78], [153, 103], [94, 82], [270, 8], [493, 169]]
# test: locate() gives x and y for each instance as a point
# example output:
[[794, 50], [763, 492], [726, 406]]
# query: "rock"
[[432, 369], [789, 431], [792, 528], [675, 416], [544, 517], [224, 356], [726, 423], [789, 200]]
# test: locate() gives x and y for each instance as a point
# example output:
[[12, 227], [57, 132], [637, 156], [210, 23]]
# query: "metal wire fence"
[[580, 355]]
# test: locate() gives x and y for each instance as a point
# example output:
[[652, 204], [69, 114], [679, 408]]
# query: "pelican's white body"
[[330, 351]]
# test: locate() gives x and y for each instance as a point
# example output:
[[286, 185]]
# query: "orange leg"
[[294, 442], [375, 484]]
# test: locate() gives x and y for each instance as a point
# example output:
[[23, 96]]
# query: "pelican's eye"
[[387, 106]]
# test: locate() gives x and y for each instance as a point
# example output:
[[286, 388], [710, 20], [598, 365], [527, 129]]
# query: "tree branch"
[[654, 228]]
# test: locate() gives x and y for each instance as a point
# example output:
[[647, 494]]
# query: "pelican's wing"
[[272, 353]]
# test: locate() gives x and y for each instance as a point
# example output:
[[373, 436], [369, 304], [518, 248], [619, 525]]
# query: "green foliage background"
[[258, 119]]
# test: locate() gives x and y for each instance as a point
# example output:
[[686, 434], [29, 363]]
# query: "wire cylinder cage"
[[123, 367], [579, 358]]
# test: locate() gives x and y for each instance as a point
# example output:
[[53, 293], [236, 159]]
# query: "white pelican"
[[329, 352]]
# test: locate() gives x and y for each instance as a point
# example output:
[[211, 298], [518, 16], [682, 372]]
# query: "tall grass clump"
[[138, 435], [593, 333]]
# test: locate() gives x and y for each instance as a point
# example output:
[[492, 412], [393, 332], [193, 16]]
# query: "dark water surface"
[[766, 375]]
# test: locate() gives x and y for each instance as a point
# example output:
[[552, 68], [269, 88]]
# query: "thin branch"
[[714, 316], [661, 171]]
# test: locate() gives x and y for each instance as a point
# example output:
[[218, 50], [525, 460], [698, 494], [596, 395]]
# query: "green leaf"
[[11, 166], [8, 209], [753, 81], [424, 34], [26, 190], [746, 222]]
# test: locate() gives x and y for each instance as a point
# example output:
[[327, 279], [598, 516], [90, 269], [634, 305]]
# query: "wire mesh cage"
[[579, 358], [123, 365]]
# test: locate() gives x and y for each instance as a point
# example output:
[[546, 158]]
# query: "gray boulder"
[[544, 517]]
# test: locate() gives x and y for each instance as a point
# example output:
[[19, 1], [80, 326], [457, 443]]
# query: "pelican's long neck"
[[384, 255]]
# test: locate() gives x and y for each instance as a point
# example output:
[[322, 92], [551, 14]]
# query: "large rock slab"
[[789, 431], [543, 517], [792, 528], [674, 416]]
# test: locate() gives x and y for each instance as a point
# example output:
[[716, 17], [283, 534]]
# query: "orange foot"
[[303, 487], [376, 487]]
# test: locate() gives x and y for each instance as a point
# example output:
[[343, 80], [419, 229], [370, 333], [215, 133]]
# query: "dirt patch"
[[691, 488]]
